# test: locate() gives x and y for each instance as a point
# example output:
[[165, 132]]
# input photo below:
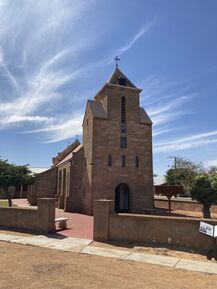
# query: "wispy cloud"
[[6, 70], [210, 163], [64, 129], [14, 119], [34, 57], [188, 142], [144, 29], [39, 62], [161, 131], [166, 102]]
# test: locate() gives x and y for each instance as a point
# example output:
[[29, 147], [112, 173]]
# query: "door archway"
[[122, 198]]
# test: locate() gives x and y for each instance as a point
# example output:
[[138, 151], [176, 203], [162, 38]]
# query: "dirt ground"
[[142, 247], [26, 267], [172, 251]]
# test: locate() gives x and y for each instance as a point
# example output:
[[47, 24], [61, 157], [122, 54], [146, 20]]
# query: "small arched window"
[[109, 160], [136, 161], [123, 158], [64, 182], [60, 183]]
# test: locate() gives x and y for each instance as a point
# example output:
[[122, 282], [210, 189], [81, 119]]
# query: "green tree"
[[13, 175], [183, 173], [212, 170], [204, 190]]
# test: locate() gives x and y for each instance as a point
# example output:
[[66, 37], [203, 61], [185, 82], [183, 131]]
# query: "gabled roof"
[[116, 76], [144, 118], [70, 155], [64, 153], [97, 109]]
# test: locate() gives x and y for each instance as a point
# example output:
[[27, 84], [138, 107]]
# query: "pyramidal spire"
[[119, 78]]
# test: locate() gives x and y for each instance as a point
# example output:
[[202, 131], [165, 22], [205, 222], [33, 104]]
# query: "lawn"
[[4, 203]]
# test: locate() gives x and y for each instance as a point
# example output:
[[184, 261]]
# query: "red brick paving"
[[79, 225]]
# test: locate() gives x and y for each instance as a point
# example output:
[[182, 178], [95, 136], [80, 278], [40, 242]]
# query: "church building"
[[114, 160]]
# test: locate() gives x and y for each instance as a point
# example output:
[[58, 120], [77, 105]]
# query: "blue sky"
[[54, 55]]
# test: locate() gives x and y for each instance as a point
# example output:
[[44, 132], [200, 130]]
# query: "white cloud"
[[192, 141], [165, 102], [145, 29], [62, 130], [161, 131], [39, 53], [174, 103], [210, 163], [46, 61], [14, 119], [110, 59], [7, 72]]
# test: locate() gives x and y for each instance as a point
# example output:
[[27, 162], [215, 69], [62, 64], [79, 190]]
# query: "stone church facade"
[[114, 160]]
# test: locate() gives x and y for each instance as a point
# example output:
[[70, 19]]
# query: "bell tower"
[[117, 139]]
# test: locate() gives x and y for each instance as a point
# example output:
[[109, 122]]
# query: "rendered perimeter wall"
[[38, 220], [178, 231]]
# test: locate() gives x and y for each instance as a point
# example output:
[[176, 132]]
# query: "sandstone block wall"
[[101, 137], [45, 186]]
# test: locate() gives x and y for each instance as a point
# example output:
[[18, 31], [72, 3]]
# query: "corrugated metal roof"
[[38, 170]]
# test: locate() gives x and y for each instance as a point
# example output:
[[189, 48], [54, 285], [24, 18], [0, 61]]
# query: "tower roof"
[[119, 78]]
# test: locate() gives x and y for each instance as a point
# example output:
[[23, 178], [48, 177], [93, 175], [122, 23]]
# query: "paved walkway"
[[83, 246], [79, 225]]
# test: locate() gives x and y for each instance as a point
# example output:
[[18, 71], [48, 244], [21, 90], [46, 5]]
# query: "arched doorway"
[[122, 198]]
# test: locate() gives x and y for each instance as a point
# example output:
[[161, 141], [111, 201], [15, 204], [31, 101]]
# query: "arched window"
[[123, 158], [68, 183], [64, 182], [136, 161], [123, 109], [109, 160], [60, 183]]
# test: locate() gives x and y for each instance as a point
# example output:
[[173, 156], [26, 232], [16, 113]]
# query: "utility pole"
[[175, 168], [175, 172]]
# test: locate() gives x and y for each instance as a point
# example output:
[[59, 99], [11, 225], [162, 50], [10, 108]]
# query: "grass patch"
[[4, 203]]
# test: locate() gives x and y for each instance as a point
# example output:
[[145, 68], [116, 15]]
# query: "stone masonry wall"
[[45, 186], [73, 199], [106, 140], [86, 191]]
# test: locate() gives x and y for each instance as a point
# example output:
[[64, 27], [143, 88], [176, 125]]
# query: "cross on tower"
[[117, 59]]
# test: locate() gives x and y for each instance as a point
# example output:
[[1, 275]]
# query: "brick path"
[[79, 225]]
